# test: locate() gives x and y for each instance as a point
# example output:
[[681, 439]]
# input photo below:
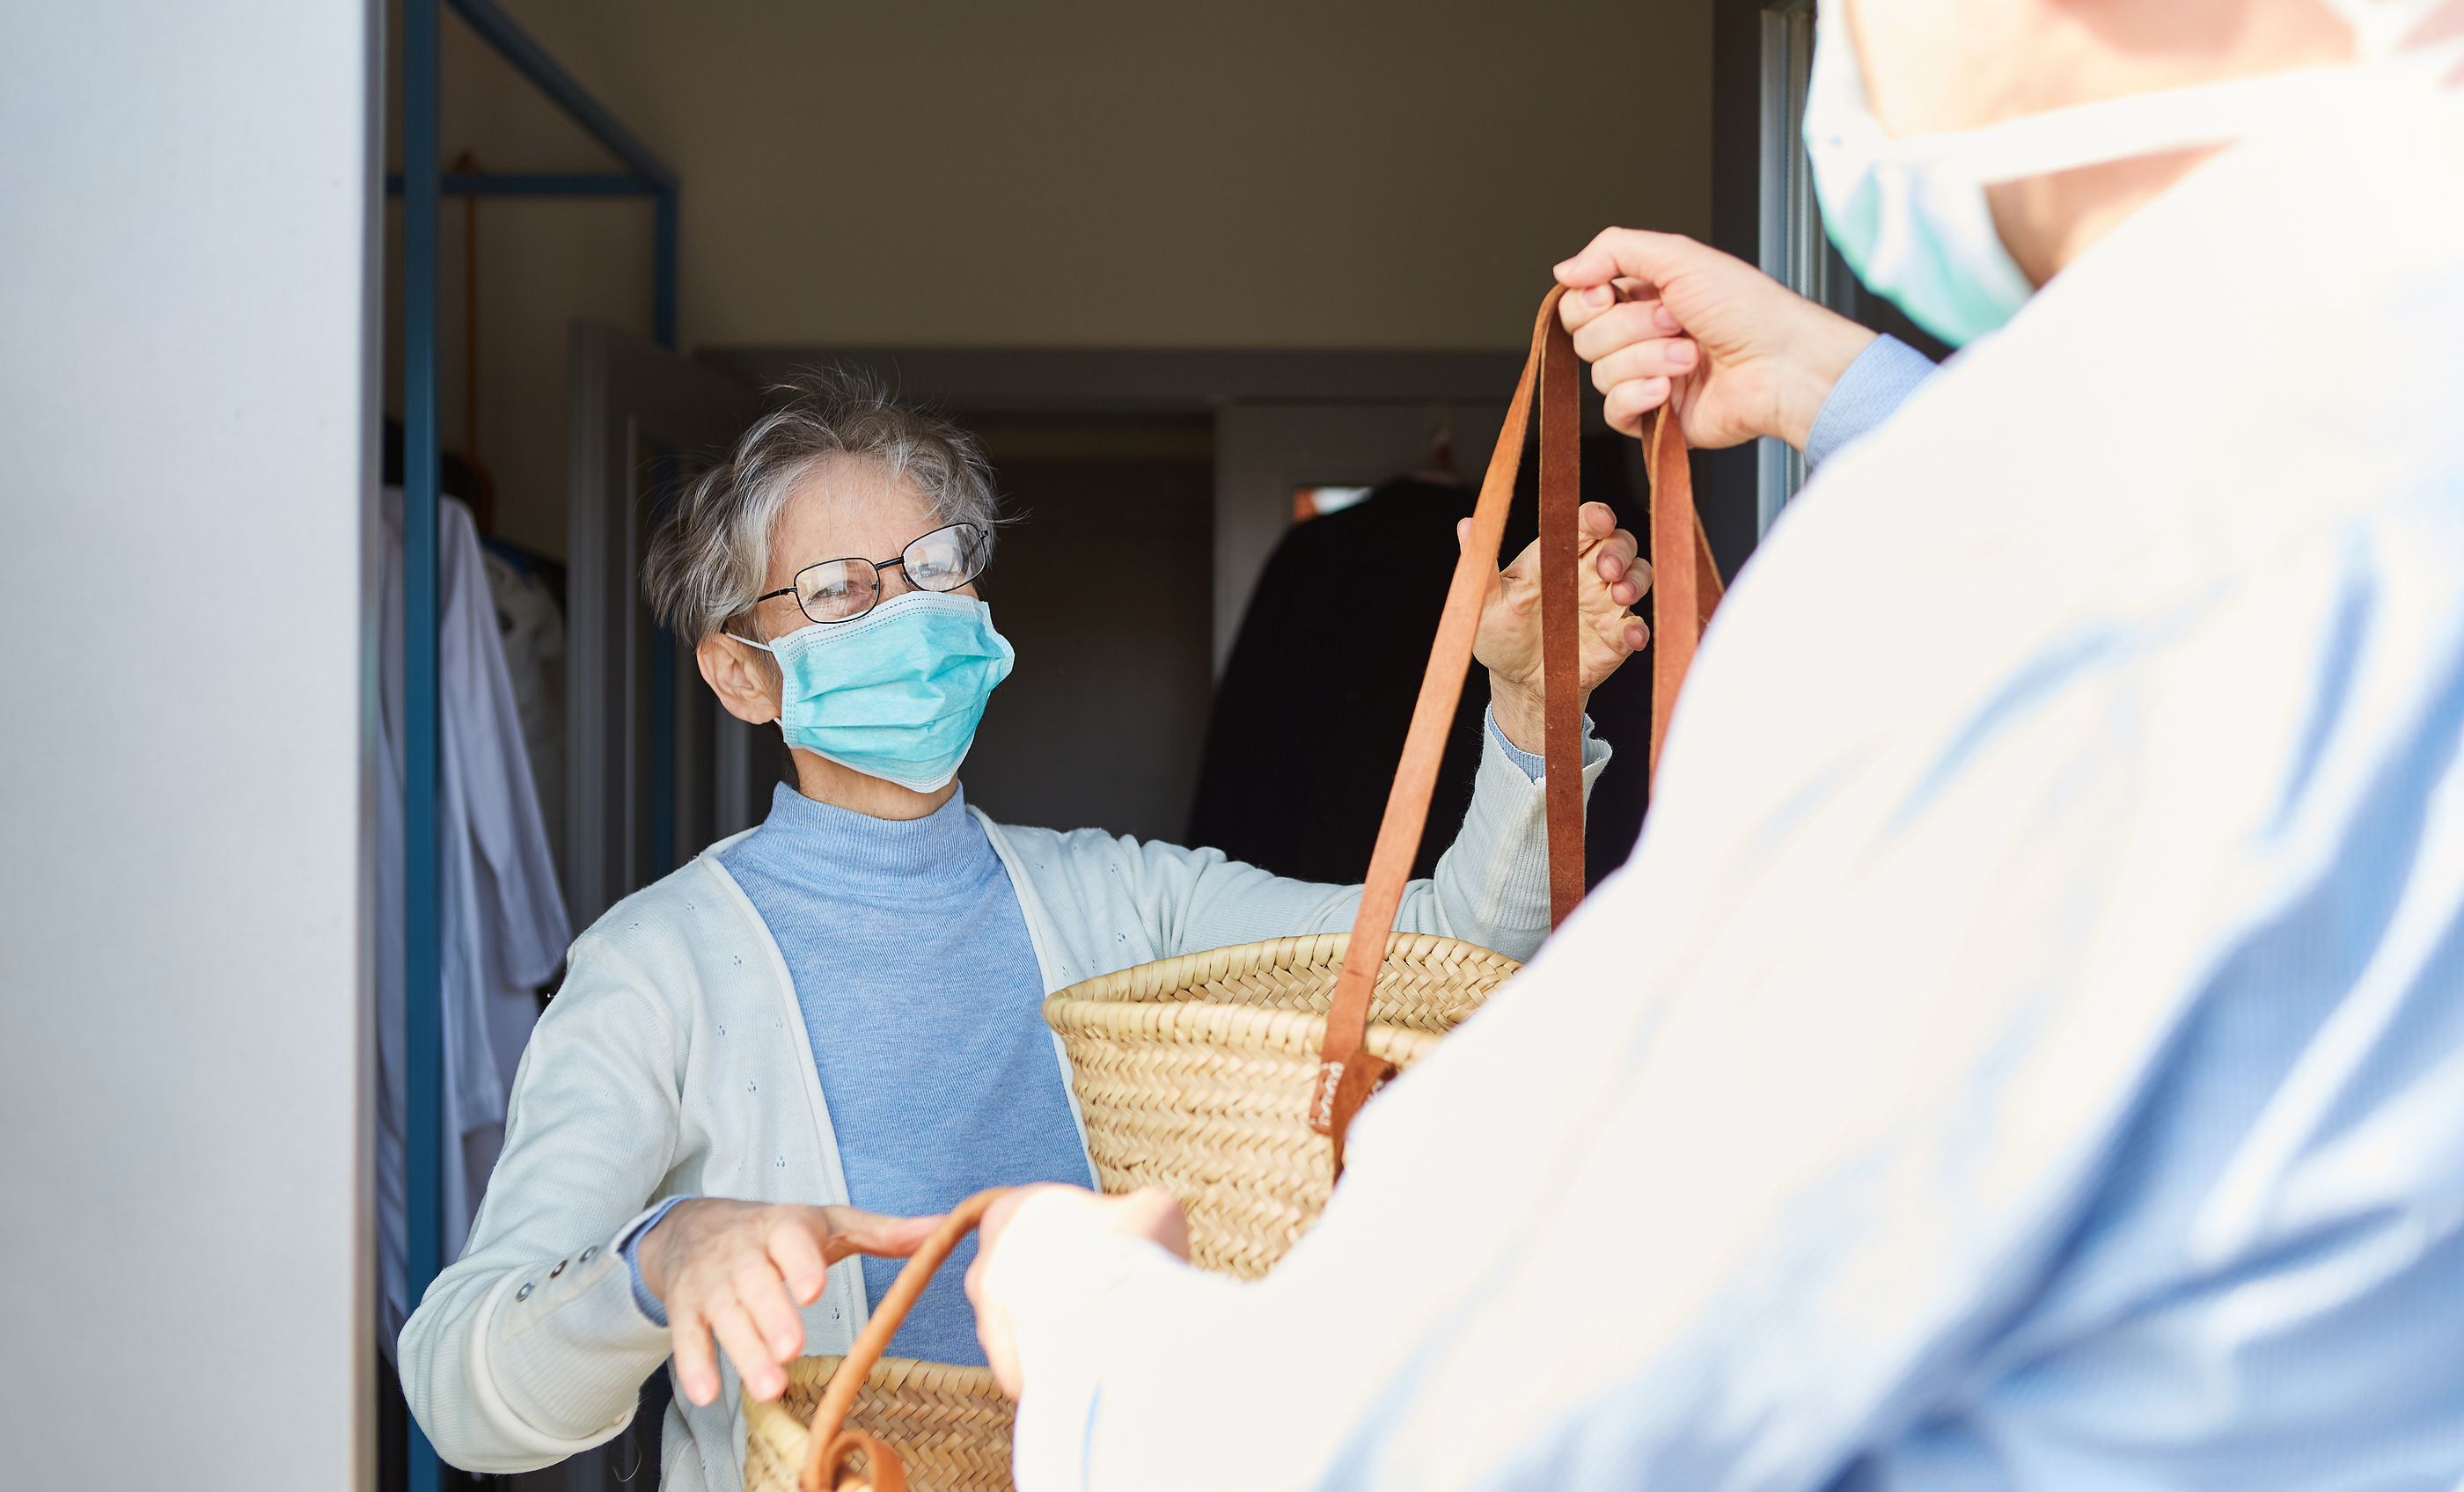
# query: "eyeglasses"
[[842, 590]]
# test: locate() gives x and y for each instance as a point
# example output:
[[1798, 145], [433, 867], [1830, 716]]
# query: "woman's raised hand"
[[1613, 576], [739, 1271], [1658, 314]]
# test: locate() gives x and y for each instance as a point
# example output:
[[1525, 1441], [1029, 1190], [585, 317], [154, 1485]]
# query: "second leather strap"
[[1348, 1074]]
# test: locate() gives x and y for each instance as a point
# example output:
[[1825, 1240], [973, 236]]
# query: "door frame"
[[1759, 190], [631, 396]]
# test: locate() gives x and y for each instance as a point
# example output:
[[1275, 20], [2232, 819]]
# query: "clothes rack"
[[422, 185]]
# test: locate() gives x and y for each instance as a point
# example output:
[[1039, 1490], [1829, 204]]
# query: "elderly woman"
[[841, 1009]]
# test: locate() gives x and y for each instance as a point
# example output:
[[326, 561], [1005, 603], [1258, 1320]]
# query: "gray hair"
[[711, 553]]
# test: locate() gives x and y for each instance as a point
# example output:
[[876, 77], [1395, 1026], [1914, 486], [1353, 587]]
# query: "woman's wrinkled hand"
[[740, 1271], [1614, 578], [1660, 317]]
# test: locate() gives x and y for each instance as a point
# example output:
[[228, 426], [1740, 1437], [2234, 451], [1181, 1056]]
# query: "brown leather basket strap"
[[1348, 1074], [883, 1470], [1561, 543], [825, 1457], [1684, 579]]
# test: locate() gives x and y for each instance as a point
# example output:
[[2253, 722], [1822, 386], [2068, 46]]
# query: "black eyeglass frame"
[[982, 546]]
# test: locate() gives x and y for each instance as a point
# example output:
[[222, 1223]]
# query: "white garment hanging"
[[503, 928], [529, 624]]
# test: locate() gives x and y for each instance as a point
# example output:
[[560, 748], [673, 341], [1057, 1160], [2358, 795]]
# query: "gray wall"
[[184, 363], [1104, 592]]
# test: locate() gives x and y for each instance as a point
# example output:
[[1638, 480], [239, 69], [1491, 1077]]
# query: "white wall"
[[186, 352]]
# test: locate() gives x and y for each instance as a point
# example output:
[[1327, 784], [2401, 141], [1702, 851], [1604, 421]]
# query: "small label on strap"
[[1330, 1077]]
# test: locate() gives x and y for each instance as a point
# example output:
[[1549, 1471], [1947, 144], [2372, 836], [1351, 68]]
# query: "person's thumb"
[[854, 1231], [1627, 253], [1154, 1213]]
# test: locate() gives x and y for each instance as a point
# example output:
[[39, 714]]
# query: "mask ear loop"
[[2383, 29], [852, 627], [2136, 124]]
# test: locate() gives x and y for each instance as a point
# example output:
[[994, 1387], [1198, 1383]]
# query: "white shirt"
[[2027, 1047], [530, 626], [503, 928]]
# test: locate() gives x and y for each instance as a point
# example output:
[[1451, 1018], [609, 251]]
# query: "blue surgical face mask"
[[895, 694], [1909, 214]]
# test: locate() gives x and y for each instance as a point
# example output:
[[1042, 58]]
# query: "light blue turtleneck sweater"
[[909, 956], [925, 1003]]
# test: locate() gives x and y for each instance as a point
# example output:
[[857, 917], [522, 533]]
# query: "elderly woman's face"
[[847, 508]]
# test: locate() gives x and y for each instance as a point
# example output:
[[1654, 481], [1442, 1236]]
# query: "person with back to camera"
[[2025, 1048], [838, 1014]]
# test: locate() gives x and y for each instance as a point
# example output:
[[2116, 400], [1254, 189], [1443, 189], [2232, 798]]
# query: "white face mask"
[[1910, 216]]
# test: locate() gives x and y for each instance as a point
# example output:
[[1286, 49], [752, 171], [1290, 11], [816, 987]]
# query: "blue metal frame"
[[531, 59], [423, 186], [644, 175], [533, 184], [423, 933], [663, 270]]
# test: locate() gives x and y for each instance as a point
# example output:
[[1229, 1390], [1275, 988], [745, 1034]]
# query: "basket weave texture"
[[951, 1424], [1194, 1074]]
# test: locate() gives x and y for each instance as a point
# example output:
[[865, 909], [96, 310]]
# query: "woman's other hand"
[[740, 1271], [1743, 355], [1613, 575]]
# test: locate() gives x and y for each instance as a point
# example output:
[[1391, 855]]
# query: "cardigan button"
[[524, 1293], [560, 1268], [590, 1253]]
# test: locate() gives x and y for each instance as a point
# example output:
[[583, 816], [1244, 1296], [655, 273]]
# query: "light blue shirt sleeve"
[[1870, 392], [1534, 766], [630, 1248]]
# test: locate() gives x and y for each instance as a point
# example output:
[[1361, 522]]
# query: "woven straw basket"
[[951, 1424], [1194, 1074]]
